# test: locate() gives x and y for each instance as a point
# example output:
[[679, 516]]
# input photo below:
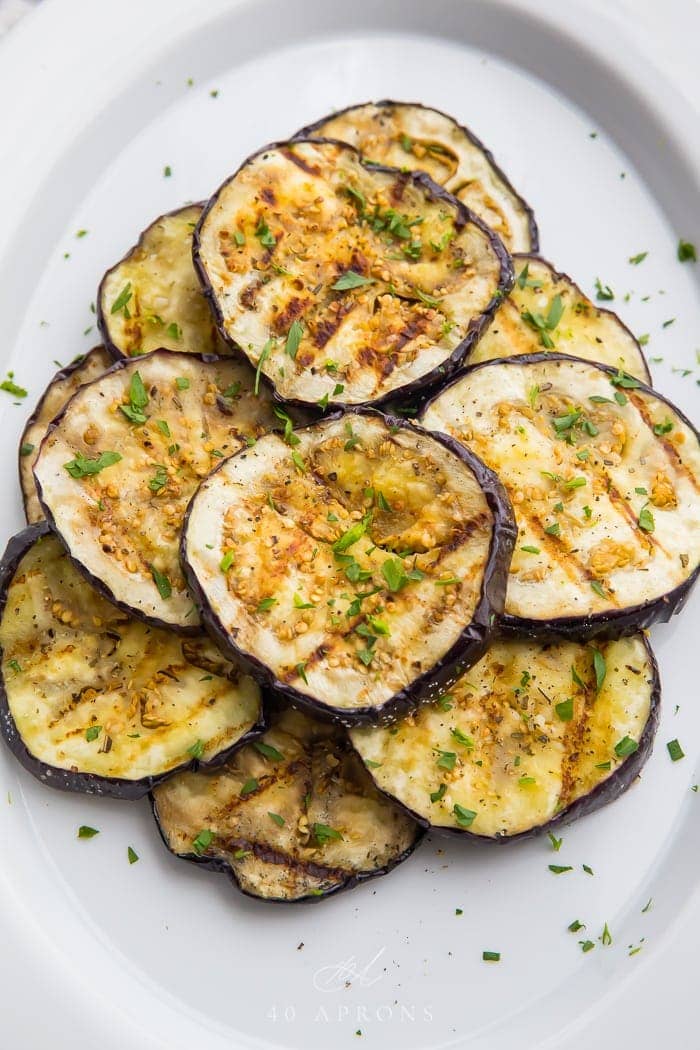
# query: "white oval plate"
[[158, 953]]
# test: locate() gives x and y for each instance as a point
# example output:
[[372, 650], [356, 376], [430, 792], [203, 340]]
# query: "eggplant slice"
[[95, 701], [60, 390], [358, 571], [534, 736], [346, 282], [604, 477], [293, 816], [151, 298], [406, 134], [547, 311], [118, 466]]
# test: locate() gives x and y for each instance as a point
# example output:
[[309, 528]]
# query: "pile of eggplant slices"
[[353, 525]]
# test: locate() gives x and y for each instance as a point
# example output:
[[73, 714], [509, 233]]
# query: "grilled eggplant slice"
[[294, 816], [545, 311], [118, 466], [534, 736], [342, 281], [60, 390], [604, 476], [93, 700], [151, 298], [358, 571], [406, 134]]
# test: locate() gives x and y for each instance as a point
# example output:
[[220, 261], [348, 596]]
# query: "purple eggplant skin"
[[57, 377], [265, 854], [462, 654], [607, 791], [65, 779], [533, 256], [477, 325], [310, 131], [616, 623]]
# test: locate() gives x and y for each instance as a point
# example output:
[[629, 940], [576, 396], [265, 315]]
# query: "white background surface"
[[99, 937]]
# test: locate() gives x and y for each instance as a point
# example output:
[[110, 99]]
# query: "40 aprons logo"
[[348, 975]]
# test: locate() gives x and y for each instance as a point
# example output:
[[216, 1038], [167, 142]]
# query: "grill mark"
[[270, 855], [574, 736], [268, 195], [310, 169], [292, 311], [669, 448], [325, 330]]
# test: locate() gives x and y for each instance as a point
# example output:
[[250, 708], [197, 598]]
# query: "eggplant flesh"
[[533, 736], [546, 310], [169, 418], [59, 391], [415, 136], [604, 477], [294, 816], [151, 298], [92, 700], [345, 282], [358, 570]]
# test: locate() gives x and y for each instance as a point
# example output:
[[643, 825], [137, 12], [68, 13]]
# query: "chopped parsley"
[[599, 668], [556, 843], [464, 817], [646, 519], [162, 582], [687, 252], [132, 855], [559, 869], [26, 448], [436, 796], [637, 259], [196, 750], [138, 399], [227, 561], [491, 956], [264, 354], [351, 280], [266, 604], [293, 340], [530, 550], [278, 820], [268, 751], [675, 750], [249, 787], [82, 467], [86, 832], [625, 747], [120, 303], [262, 232], [545, 325], [323, 834], [92, 733], [396, 576], [604, 292], [203, 841], [445, 759], [565, 710]]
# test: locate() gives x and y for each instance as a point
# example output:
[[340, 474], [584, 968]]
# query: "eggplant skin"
[[586, 330], [664, 482], [59, 390], [264, 838], [70, 778], [158, 258], [381, 350], [505, 657], [464, 651], [529, 237]]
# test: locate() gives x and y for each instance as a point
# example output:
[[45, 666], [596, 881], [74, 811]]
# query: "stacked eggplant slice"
[[352, 527]]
